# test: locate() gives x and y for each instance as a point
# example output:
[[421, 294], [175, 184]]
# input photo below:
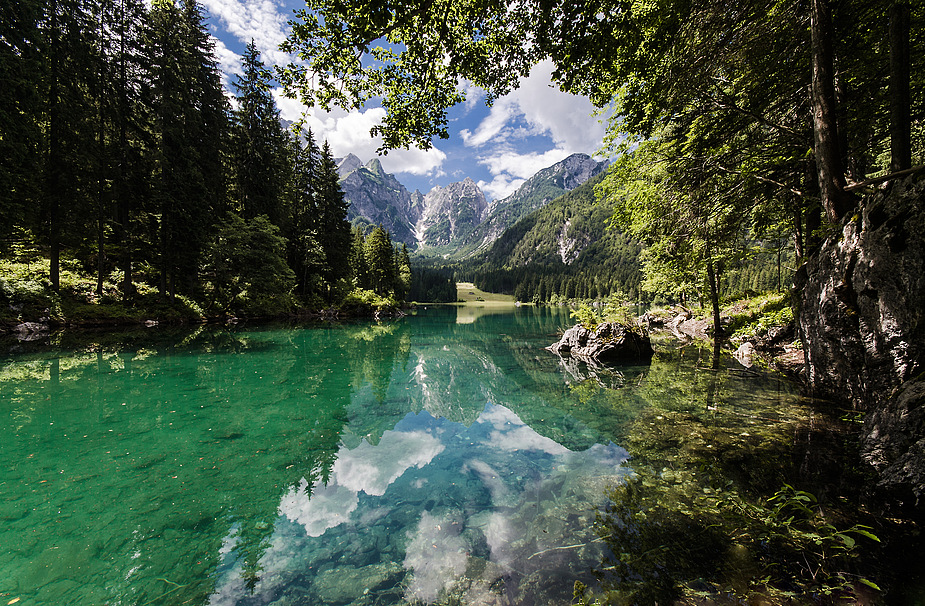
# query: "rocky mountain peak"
[[375, 166], [347, 165], [450, 213]]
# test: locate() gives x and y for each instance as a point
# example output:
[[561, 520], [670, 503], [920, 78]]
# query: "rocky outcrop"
[[894, 440], [862, 322], [537, 191], [378, 198], [450, 213], [608, 342]]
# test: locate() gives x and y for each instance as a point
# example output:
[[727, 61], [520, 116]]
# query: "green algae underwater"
[[444, 458]]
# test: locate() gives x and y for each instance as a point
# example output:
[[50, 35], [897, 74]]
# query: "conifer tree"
[[380, 261], [359, 269], [260, 149], [67, 50], [188, 140], [20, 105], [333, 227], [305, 255]]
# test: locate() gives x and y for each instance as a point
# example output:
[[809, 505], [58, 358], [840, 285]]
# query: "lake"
[[443, 458]]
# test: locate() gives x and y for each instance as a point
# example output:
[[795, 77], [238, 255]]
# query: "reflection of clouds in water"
[[534, 485], [327, 507], [371, 469], [490, 478], [499, 534], [436, 554], [511, 434], [499, 416], [524, 438], [366, 468]]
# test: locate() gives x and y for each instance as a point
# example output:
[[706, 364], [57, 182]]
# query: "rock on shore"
[[608, 342]]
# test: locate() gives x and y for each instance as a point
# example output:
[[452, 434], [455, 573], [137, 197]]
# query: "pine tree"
[[67, 49], [333, 227], [21, 71], [380, 260], [260, 150], [359, 269], [188, 128], [403, 273], [305, 255]]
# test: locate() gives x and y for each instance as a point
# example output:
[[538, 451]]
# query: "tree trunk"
[[123, 212], [713, 279], [900, 100], [825, 126], [53, 166]]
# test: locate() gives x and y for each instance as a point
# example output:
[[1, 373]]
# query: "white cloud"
[[490, 129], [566, 118], [261, 20], [523, 166], [348, 133], [228, 61], [501, 186], [536, 108], [510, 169], [473, 93]]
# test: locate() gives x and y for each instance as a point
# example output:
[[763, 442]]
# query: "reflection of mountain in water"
[[438, 509]]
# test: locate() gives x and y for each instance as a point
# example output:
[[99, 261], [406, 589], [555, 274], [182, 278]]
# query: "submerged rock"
[[344, 584], [608, 342], [31, 331]]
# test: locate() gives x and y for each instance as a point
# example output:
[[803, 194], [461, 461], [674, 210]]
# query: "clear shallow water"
[[440, 458]]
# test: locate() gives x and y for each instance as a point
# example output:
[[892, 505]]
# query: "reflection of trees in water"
[[202, 443], [710, 449]]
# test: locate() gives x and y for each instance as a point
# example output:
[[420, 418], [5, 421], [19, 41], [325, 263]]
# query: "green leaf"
[[865, 533], [870, 583], [848, 541]]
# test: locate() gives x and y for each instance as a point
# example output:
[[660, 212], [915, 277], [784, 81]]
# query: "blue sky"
[[498, 147]]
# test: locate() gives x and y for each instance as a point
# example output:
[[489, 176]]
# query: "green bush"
[[360, 300]]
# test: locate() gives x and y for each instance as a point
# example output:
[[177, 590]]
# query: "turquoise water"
[[441, 458]]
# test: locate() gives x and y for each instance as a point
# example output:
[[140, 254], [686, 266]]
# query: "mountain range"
[[455, 221]]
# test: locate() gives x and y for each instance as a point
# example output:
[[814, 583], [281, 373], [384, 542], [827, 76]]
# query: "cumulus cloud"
[[500, 186], [262, 21], [566, 118], [536, 108], [348, 133], [228, 61], [510, 169]]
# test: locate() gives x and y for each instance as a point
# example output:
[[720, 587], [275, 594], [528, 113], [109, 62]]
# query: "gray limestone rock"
[[862, 319], [894, 438], [344, 584], [863, 299], [608, 342]]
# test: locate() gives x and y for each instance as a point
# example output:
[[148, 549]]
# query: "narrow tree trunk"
[[713, 279], [53, 161], [825, 127], [900, 99], [123, 212], [798, 238]]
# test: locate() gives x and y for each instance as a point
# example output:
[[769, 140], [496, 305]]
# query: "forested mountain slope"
[[563, 249], [539, 190]]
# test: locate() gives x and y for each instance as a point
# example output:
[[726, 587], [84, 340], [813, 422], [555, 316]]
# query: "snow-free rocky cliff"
[[862, 319]]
